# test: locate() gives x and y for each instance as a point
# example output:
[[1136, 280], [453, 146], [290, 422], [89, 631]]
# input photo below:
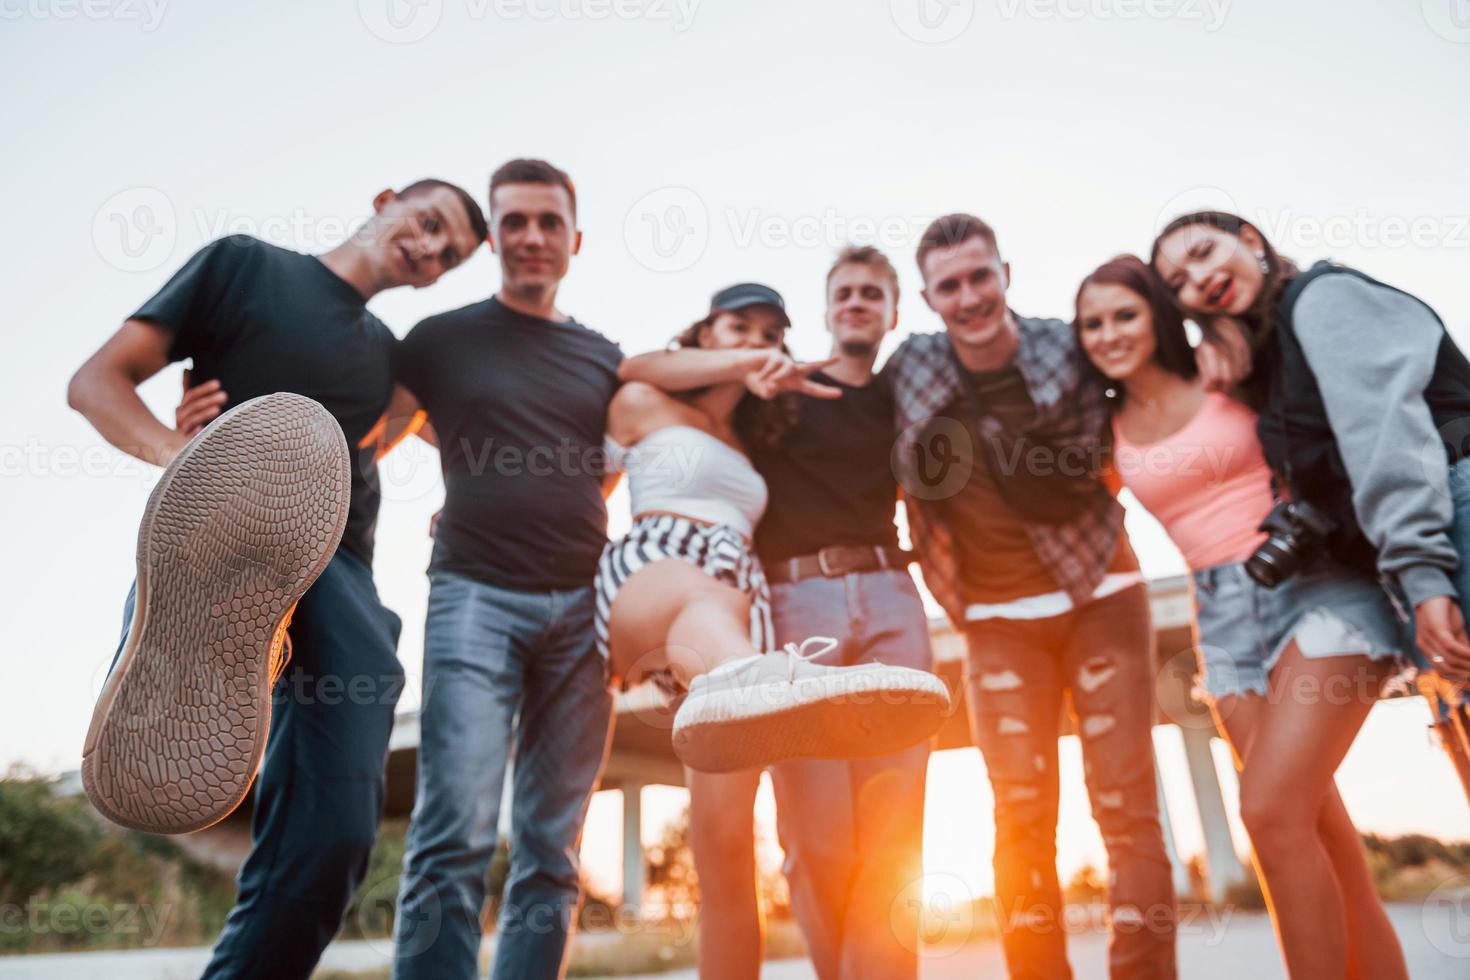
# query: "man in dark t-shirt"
[[852, 830], [256, 320], [516, 394]]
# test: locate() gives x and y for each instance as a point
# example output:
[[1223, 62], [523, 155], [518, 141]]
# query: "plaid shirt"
[[937, 426]]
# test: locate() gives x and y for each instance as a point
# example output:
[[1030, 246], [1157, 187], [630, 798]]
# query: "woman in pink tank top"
[[1192, 458]]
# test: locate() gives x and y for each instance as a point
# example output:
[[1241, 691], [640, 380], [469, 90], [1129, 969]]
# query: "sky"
[[711, 141]]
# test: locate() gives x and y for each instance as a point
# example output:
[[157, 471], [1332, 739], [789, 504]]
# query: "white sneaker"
[[760, 710]]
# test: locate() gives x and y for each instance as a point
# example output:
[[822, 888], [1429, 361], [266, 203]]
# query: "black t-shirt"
[[520, 408], [830, 481], [261, 319]]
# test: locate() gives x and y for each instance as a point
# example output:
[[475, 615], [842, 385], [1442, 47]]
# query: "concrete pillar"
[[1223, 867], [635, 869]]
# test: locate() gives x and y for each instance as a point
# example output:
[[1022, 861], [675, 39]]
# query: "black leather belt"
[[836, 562]]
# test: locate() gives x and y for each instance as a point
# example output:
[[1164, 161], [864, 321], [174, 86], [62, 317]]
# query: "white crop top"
[[685, 470]]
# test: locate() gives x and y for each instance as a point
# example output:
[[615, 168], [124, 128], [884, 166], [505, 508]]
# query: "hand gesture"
[[778, 373], [1224, 355]]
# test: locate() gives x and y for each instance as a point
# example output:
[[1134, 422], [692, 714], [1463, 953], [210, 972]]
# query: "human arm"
[[1360, 338], [1223, 356], [104, 391], [766, 372], [403, 417]]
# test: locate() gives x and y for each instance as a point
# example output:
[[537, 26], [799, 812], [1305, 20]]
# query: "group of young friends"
[[762, 585]]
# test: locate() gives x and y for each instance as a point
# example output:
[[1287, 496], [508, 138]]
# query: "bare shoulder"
[[639, 408]]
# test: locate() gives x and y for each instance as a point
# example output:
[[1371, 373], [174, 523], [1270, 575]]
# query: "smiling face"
[[1211, 271], [749, 328], [418, 237], [966, 285], [534, 231], [861, 306], [1116, 329]]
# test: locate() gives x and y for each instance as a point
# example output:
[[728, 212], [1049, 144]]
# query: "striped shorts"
[[718, 550]]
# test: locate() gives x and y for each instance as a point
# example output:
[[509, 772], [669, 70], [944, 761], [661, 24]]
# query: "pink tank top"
[[1208, 483]]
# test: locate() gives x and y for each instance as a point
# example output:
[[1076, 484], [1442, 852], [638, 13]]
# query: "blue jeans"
[[1459, 486], [852, 830], [319, 794], [1460, 529], [505, 673]]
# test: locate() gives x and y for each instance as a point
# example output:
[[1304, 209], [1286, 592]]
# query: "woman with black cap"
[[682, 601]]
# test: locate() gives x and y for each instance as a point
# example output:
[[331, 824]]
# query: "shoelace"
[[281, 647], [827, 644]]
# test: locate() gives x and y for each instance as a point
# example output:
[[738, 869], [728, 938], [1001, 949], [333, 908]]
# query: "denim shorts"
[[1242, 627]]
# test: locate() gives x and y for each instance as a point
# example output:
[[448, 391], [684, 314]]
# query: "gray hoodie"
[[1373, 351]]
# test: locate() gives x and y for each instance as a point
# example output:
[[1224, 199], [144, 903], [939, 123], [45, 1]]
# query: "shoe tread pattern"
[[236, 531]]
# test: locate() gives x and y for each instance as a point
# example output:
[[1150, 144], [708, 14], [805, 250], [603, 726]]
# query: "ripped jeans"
[[1017, 672]]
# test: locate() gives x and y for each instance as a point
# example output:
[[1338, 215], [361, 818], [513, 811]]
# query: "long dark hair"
[[1171, 343], [1280, 270], [760, 424]]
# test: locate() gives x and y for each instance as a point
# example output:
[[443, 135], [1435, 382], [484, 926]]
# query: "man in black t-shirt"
[[852, 830], [257, 320], [516, 394]]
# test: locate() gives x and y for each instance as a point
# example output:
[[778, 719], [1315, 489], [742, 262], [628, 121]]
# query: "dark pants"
[[853, 829], [1018, 669], [319, 794]]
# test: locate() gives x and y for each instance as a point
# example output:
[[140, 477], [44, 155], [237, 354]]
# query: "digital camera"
[[1297, 532]]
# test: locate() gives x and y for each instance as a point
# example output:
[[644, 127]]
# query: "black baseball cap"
[[741, 295]]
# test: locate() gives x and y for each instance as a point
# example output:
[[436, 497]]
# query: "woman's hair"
[[760, 424], [1172, 351], [1280, 271]]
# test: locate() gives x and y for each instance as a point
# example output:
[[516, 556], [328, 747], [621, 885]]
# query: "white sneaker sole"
[[853, 715]]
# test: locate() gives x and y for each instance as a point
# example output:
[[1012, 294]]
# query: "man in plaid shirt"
[[1000, 455]]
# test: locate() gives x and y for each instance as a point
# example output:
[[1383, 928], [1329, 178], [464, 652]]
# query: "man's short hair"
[[869, 256], [471, 206], [532, 172], [952, 229], [477, 218]]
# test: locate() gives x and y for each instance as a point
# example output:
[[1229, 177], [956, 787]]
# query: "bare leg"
[[722, 836], [1372, 945], [1314, 710], [669, 614]]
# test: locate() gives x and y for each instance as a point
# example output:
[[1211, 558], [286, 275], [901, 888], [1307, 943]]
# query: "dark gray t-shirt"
[[520, 408], [261, 319]]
